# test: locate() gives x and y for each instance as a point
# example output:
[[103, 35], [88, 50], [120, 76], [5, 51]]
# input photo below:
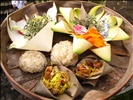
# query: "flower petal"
[[52, 12], [13, 34]]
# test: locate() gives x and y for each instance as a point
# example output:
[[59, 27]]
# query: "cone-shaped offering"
[[112, 21], [119, 21], [112, 33], [90, 68], [32, 33], [77, 13], [93, 28], [80, 45], [58, 82], [103, 52], [94, 10], [62, 27], [67, 13], [121, 35]]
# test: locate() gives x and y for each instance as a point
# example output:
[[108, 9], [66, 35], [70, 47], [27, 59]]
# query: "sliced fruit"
[[80, 45], [112, 21], [103, 52], [62, 27], [77, 13], [67, 13], [119, 21], [98, 16], [121, 35], [112, 33], [94, 10]]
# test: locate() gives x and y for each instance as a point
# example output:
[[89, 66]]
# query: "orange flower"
[[93, 36]]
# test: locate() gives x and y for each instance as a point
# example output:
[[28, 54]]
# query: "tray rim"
[[18, 86]]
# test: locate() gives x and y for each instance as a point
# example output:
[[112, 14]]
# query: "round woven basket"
[[122, 57]]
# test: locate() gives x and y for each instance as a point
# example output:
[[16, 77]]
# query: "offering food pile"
[[88, 68], [90, 31], [32, 61], [56, 81], [63, 54]]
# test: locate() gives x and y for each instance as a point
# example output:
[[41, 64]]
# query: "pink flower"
[[79, 29]]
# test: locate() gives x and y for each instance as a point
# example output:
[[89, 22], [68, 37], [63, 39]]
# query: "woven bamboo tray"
[[107, 86]]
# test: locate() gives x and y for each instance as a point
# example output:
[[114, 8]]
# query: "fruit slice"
[[80, 45], [121, 35], [103, 52], [62, 27], [112, 33], [67, 13], [94, 10], [112, 21], [77, 13], [119, 21], [115, 20]]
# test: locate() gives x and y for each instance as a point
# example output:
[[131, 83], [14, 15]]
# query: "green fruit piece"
[[62, 27], [94, 10], [103, 52], [119, 21], [121, 35], [68, 14], [112, 33], [77, 13], [80, 45], [112, 21]]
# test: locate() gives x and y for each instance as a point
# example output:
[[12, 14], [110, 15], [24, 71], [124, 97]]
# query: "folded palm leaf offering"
[[90, 68], [58, 82], [91, 30], [33, 32]]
